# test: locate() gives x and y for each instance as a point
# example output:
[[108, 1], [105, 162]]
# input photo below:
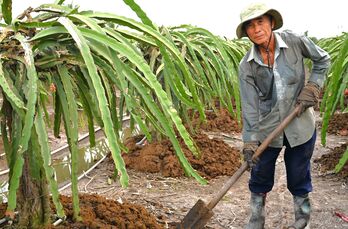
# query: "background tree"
[[56, 56]]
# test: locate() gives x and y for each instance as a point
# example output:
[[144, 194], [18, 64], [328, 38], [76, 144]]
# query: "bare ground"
[[170, 198]]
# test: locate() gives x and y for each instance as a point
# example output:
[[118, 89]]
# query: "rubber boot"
[[257, 206], [302, 208]]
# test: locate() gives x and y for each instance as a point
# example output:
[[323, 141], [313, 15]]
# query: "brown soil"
[[99, 212], [338, 124], [221, 121], [217, 158], [170, 198], [327, 162], [161, 189], [3, 207]]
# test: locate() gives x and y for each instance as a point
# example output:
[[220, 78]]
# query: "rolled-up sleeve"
[[249, 100], [320, 58]]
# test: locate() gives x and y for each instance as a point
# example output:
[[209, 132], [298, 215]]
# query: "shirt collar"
[[279, 44]]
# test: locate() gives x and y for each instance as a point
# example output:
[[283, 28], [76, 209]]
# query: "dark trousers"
[[297, 163]]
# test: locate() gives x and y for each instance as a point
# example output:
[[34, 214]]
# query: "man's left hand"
[[309, 96]]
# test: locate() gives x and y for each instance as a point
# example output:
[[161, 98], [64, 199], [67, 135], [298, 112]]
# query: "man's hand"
[[248, 151], [308, 97]]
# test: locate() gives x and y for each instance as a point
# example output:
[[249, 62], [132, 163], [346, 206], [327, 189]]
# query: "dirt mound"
[[3, 207], [217, 158], [338, 124], [327, 162], [217, 121], [99, 212]]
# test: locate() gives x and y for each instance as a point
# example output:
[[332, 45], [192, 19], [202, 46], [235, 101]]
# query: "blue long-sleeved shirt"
[[266, 104]]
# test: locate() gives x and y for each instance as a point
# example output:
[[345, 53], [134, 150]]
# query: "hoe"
[[201, 213]]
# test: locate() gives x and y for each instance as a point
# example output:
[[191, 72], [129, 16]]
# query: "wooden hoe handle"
[[257, 153]]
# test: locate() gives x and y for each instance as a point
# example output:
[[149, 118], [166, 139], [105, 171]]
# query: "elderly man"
[[272, 82]]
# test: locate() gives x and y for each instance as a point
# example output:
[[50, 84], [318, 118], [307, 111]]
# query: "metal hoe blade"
[[197, 217]]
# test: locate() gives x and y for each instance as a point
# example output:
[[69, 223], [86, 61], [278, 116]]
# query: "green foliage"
[[11, 93], [6, 9], [31, 92], [64, 84], [342, 161], [46, 155], [336, 84], [109, 65], [165, 100]]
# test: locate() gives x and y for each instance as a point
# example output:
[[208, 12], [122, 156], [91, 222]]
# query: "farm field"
[[112, 122], [168, 199]]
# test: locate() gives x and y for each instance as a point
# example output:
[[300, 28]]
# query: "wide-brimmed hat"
[[256, 10]]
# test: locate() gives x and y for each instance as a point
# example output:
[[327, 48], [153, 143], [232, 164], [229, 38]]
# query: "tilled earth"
[[99, 212], [217, 158], [159, 192], [338, 124], [169, 197]]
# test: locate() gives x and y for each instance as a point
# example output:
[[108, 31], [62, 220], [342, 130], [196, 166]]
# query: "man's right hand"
[[248, 151]]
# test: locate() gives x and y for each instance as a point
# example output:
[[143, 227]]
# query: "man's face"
[[259, 29]]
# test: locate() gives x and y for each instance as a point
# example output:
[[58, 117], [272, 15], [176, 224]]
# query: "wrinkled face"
[[259, 29]]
